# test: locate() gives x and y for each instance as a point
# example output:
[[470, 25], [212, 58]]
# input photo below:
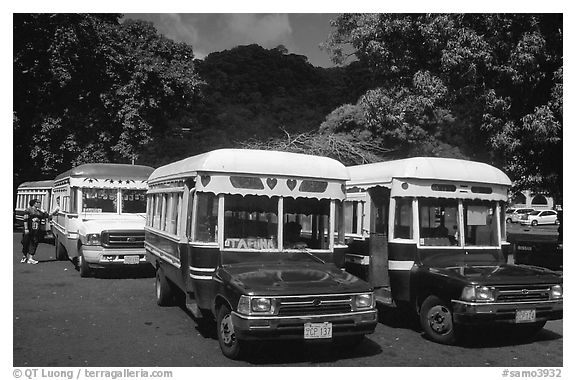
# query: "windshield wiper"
[[309, 253]]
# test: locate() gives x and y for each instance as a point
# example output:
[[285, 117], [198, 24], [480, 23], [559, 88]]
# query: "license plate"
[[523, 316], [131, 259], [318, 330]]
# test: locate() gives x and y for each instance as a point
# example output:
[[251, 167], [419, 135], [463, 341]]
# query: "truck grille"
[[523, 293], [314, 305], [123, 239]]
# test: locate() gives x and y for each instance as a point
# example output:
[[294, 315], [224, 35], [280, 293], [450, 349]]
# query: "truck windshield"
[[99, 200], [133, 201], [252, 223], [438, 222], [480, 224]]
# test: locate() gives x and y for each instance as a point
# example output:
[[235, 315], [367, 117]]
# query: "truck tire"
[[164, 290], [437, 322], [83, 266], [231, 347]]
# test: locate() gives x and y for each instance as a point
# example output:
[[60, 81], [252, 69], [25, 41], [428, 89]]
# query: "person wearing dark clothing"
[[32, 220]]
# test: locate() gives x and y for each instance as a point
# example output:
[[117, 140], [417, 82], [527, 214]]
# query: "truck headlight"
[[261, 305], [556, 292], [478, 293], [93, 239], [363, 301], [255, 305]]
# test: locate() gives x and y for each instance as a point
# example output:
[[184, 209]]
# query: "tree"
[[90, 89], [485, 86]]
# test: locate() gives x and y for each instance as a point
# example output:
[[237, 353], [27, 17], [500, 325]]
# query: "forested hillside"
[[90, 88]]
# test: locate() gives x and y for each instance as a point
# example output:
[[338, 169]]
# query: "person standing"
[[32, 220]]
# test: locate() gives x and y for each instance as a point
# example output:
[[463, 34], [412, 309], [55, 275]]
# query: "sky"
[[300, 33]]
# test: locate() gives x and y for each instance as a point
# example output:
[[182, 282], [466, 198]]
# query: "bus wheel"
[[164, 291], [60, 251], [230, 346], [83, 267], [436, 321]]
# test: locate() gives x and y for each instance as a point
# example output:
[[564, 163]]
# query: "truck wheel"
[[436, 321], [83, 266], [231, 347], [164, 291]]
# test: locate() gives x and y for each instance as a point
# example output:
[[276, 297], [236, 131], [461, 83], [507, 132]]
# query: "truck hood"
[[502, 274], [133, 222], [294, 279]]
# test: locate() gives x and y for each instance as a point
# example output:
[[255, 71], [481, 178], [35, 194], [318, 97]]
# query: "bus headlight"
[[556, 292], [92, 239], [478, 293], [363, 301]]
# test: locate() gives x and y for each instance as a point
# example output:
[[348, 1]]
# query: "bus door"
[[378, 243], [187, 252]]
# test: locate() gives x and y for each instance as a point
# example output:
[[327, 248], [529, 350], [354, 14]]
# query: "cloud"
[[265, 30], [174, 27]]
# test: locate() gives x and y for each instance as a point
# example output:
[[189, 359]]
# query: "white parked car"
[[540, 217], [513, 215]]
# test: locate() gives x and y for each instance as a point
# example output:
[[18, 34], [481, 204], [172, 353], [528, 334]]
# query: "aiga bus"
[[254, 239], [102, 215], [428, 233], [40, 190]]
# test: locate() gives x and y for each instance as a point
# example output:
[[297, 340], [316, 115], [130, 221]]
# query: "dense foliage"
[[89, 89], [488, 87], [483, 86]]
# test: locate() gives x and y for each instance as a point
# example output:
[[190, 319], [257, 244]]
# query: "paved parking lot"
[[62, 320]]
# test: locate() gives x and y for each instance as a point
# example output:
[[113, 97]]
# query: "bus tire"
[[164, 291], [437, 322], [231, 347], [60, 251], [83, 266]]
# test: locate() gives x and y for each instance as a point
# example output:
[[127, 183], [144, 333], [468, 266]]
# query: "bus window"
[[99, 200], [403, 219], [133, 201], [438, 222], [480, 224], [206, 217], [351, 217]]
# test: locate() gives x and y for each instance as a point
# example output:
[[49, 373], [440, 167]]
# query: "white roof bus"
[[254, 239], [27, 191], [102, 215], [428, 233]]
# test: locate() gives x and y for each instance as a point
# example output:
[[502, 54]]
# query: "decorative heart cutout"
[[205, 179], [271, 182], [291, 183]]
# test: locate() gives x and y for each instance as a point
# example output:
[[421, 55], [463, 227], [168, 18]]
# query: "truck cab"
[[429, 233], [254, 239]]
